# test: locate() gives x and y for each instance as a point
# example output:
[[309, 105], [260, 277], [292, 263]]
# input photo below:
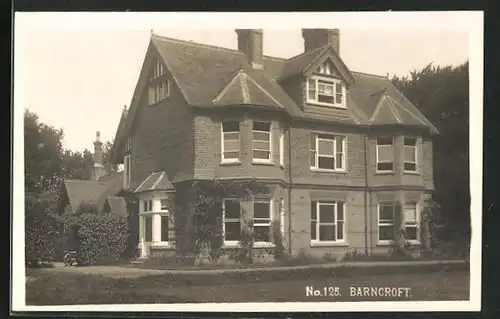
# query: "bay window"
[[327, 222], [410, 157], [262, 221], [231, 221], [154, 221], [385, 154], [386, 219], [230, 145], [327, 152], [261, 141], [411, 222]]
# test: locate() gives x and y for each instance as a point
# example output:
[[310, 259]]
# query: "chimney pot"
[[315, 38], [251, 42]]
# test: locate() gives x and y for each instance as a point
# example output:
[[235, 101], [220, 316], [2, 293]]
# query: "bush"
[[40, 230], [103, 236]]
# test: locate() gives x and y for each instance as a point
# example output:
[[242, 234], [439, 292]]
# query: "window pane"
[[164, 204], [385, 153], [312, 84], [340, 211], [338, 98], [312, 142], [311, 94], [386, 212], [410, 154], [411, 233], [261, 154], [312, 158], [339, 145], [164, 228], [231, 136], [325, 89], [261, 145], [326, 232], [145, 206], [410, 141], [313, 211], [260, 136], [232, 209], [326, 213], [326, 162], [261, 233], [313, 230], [325, 147], [261, 210], [384, 141], [232, 230], [411, 167], [231, 145], [338, 88], [148, 228], [230, 126], [384, 166], [325, 99], [410, 213], [261, 126], [340, 230], [339, 159], [231, 155], [385, 233]]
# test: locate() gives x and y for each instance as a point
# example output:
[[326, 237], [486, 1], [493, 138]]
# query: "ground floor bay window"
[[327, 222], [154, 220]]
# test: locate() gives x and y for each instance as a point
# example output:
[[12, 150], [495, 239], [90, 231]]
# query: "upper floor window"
[[410, 161], [127, 171], [327, 152], [230, 144], [386, 219], [385, 154], [327, 222], [282, 148], [324, 90], [261, 141], [159, 86]]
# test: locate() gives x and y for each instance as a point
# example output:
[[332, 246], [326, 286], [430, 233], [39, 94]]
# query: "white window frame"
[[377, 146], [224, 220], [282, 148], [156, 212], [413, 224], [264, 223], [385, 222], [270, 150], [317, 241], [331, 81], [223, 134], [127, 170], [333, 138], [415, 162]]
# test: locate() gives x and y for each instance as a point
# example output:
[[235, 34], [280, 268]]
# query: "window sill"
[[411, 173], [391, 243], [329, 244], [337, 106], [384, 173], [255, 245], [161, 245], [268, 163], [324, 170], [229, 163]]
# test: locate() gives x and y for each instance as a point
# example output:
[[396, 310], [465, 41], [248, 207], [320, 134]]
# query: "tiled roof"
[[117, 205], [210, 76], [114, 184], [83, 191], [155, 181]]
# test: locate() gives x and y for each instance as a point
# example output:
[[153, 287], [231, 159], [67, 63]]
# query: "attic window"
[[326, 68], [159, 86], [326, 92]]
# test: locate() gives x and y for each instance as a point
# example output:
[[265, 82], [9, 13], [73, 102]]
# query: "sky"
[[78, 72]]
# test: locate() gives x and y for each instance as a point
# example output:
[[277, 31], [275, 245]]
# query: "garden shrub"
[[278, 240]]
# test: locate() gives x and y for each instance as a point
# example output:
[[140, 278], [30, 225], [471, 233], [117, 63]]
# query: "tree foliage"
[[442, 95]]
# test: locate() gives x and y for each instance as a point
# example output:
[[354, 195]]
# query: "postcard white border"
[[471, 21]]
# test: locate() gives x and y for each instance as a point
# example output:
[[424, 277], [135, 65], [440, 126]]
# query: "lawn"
[[49, 287]]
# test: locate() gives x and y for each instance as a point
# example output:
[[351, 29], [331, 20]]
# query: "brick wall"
[[163, 137]]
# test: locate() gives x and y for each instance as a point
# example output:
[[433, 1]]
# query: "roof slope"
[[83, 191], [117, 205], [155, 181]]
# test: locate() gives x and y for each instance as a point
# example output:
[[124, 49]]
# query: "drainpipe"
[[290, 184], [366, 191]]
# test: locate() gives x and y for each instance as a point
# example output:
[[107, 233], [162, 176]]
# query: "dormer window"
[[326, 68], [324, 89], [159, 86]]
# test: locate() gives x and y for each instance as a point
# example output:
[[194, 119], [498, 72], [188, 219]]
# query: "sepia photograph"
[[247, 161]]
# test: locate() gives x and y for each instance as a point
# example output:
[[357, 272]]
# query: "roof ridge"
[[229, 84], [263, 90], [371, 75], [413, 115], [393, 109]]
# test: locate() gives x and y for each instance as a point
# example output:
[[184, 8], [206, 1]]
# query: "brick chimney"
[[99, 169], [251, 42], [315, 38]]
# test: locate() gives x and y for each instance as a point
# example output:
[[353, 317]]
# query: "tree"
[[442, 95]]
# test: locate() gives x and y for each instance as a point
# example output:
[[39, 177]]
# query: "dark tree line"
[[442, 95]]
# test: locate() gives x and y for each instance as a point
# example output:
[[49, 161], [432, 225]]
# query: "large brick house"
[[338, 149]]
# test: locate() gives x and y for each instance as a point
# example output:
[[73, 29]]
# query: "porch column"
[[141, 236], [156, 228]]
